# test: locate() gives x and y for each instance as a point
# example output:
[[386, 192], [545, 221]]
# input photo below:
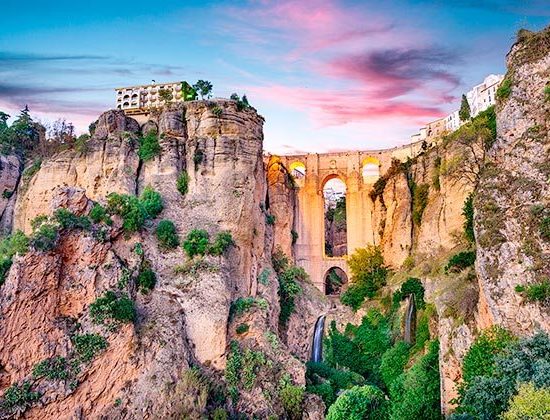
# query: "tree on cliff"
[[464, 113], [204, 88]]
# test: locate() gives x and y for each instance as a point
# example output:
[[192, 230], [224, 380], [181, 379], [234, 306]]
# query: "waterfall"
[[410, 320], [317, 348]]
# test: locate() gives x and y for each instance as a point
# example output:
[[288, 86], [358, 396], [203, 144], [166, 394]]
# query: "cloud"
[[15, 58], [527, 8]]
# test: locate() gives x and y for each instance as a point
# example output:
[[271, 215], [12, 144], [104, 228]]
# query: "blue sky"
[[326, 74]]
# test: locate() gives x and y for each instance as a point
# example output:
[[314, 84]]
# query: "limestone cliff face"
[[514, 195], [10, 175], [184, 321]]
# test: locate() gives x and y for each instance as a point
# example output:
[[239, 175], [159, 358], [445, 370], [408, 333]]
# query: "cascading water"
[[317, 348], [410, 320]]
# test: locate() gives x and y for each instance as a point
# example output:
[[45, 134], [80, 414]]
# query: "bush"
[[244, 304], [544, 228], [99, 214], [504, 90], [55, 368], [19, 396], [166, 234], [68, 220], [129, 208], [292, 397], [411, 286], [196, 243], [460, 261], [16, 243], [288, 290], [151, 201], [538, 292], [242, 328], [242, 103], [149, 146], [360, 402], [393, 362], [198, 157], [420, 195], [146, 280], [294, 236], [416, 394], [88, 346], [110, 307], [529, 403], [182, 183], [468, 213], [221, 244], [45, 237], [270, 219]]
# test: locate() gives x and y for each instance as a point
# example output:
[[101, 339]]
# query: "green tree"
[[529, 403], [464, 113], [359, 403], [188, 92], [204, 88], [167, 235], [196, 242], [26, 130]]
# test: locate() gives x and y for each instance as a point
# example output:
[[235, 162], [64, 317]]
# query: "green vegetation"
[[111, 309], [88, 346], [242, 328], [468, 213], [378, 188], [217, 111], [167, 235], [198, 157], [501, 367], [360, 402], [460, 261], [242, 103], [411, 286], [420, 194], [547, 93], [504, 90], [529, 403], [45, 237], [204, 88], [146, 280], [393, 363], [68, 220], [242, 369], [196, 242], [292, 397], [182, 183], [221, 244], [294, 236], [263, 278], [464, 113], [243, 304], [16, 243], [19, 396], [270, 219], [133, 210], [22, 136], [54, 368], [188, 92], [544, 228], [98, 214], [149, 146], [368, 275], [537, 292], [289, 277]]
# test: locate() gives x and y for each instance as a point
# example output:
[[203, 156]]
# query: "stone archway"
[[335, 281]]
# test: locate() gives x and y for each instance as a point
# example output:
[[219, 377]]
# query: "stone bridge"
[[359, 170]]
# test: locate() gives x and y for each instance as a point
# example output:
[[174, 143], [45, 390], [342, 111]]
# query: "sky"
[[327, 75]]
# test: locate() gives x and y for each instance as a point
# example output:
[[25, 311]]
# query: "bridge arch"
[[335, 280], [297, 169], [370, 169]]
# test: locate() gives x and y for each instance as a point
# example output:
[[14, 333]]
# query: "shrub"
[[221, 244], [217, 111], [538, 292], [242, 103], [411, 286], [504, 90], [54, 368], [460, 261], [110, 307], [196, 243], [68, 220], [294, 236], [129, 208], [244, 304], [99, 214], [88, 346], [270, 219], [416, 394], [288, 290], [16, 243], [198, 157], [420, 195], [263, 278], [468, 213], [151, 201], [146, 280], [292, 397], [393, 362], [529, 403], [149, 146], [166, 234], [182, 183], [544, 228], [20, 396], [194, 266], [233, 369], [360, 402], [44, 238], [38, 220], [242, 328], [30, 171]]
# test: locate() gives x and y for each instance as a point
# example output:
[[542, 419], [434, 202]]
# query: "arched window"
[[334, 194], [370, 169], [298, 170], [335, 280]]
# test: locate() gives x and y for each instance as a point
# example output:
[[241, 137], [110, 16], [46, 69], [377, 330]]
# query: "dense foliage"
[[146, 280], [149, 146], [368, 275], [167, 235], [16, 243], [133, 210], [460, 261], [536, 292], [289, 277], [182, 183], [359, 403], [111, 309], [411, 286], [196, 242], [468, 213]]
